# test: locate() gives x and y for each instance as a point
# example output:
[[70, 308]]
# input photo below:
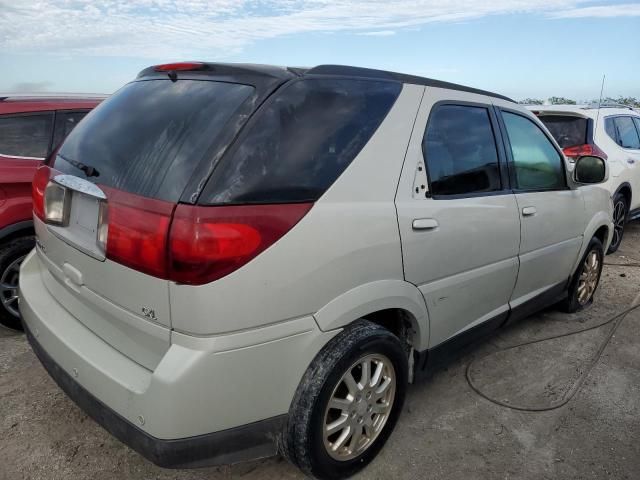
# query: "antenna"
[[599, 103]]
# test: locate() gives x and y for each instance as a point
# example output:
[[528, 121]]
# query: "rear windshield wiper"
[[88, 170]]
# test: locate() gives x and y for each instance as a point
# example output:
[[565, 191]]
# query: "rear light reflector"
[[136, 231], [179, 67], [576, 151], [207, 243]]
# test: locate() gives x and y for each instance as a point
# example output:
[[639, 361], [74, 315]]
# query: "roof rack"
[[401, 77], [608, 105]]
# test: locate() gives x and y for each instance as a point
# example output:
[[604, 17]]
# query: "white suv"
[[238, 260], [612, 132]]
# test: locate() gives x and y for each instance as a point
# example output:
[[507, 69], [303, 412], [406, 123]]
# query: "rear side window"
[[149, 137], [26, 135], [301, 141], [538, 165], [567, 130], [460, 151], [627, 133]]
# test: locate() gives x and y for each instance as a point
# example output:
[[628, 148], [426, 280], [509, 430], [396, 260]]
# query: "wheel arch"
[[16, 230], [625, 189], [394, 304], [601, 227]]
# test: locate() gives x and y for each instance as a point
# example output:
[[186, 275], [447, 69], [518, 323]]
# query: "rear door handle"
[[425, 224], [528, 211]]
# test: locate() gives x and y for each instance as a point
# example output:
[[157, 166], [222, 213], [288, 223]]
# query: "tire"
[[304, 443], [620, 213], [11, 255], [587, 277]]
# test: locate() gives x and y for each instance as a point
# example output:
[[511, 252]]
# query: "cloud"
[[30, 87], [379, 33], [216, 29], [603, 11]]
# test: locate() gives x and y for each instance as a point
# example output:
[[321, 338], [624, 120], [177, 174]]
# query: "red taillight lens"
[[577, 151], [179, 67], [207, 243], [38, 186], [137, 231]]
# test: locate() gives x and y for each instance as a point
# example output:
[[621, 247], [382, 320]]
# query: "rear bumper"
[[238, 386], [256, 440]]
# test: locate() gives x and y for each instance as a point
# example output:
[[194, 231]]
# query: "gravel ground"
[[447, 430]]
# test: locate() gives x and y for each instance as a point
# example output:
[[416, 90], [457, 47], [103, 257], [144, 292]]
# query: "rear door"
[[552, 215], [459, 222], [123, 170]]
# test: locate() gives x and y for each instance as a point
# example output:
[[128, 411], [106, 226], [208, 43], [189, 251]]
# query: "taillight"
[[576, 151], [38, 187], [207, 243], [136, 231], [179, 67]]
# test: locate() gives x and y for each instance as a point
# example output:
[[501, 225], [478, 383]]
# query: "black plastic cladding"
[[267, 79]]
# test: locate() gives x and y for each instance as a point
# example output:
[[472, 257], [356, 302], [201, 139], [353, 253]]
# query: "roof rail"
[[608, 105]]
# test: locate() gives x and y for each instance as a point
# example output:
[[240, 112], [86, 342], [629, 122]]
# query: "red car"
[[30, 128]]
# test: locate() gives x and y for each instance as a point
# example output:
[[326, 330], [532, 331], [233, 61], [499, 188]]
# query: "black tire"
[[11, 254], [573, 303], [620, 213], [303, 440]]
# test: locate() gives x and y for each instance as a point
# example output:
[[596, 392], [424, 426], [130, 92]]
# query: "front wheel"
[[347, 403], [586, 279], [620, 211]]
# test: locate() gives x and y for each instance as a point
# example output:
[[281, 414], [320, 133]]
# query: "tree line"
[[630, 101]]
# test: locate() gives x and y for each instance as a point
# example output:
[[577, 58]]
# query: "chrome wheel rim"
[[619, 217], [9, 287], [589, 277], [359, 407]]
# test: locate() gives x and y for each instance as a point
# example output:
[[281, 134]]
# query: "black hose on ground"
[[616, 320]]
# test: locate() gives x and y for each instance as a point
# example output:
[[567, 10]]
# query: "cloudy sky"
[[521, 48]]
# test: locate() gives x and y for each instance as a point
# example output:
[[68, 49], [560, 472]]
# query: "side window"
[[538, 165], [637, 122], [25, 135], [65, 122], [610, 128], [627, 133], [460, 151]]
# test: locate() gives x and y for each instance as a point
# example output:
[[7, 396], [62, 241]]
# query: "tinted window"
[[460, 150], [637, 122], [627, 133], [538, 165], [149, 137], [567, 130], [301, 141], [610, 128], [26, 135], [65, 122]]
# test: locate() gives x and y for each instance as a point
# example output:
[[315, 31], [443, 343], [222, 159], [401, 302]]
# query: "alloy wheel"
[[359, 407], [619, 217], [589, 277], [9, 287]]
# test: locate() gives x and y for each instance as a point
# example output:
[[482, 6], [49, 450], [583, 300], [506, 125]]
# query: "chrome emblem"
[[40, 245]]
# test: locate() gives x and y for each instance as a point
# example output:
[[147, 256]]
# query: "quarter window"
[[627, 133], [26, 135], [460, 150], [538, 165]]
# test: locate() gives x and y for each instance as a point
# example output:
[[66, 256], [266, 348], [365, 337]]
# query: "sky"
[[519, 48]]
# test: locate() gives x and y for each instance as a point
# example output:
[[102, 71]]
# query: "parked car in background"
[[239, 260], [611, 131], [31, 126]]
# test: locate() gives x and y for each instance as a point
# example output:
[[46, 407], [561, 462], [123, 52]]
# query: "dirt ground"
[[447, 430]]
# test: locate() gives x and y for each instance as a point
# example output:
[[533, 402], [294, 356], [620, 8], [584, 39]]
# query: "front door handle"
[[425, 224], [528, 211]]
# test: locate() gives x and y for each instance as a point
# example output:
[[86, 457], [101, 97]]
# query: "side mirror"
[[589, 170]]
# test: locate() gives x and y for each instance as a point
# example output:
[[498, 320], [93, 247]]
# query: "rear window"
[[567, 130], [301, 141], [150, 136]]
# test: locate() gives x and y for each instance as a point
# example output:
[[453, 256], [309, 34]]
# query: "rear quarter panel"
[[15, 189]]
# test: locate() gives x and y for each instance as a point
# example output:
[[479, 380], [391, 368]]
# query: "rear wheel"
[[620, 211], [347, 403], [11, 256], [586, 279]]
